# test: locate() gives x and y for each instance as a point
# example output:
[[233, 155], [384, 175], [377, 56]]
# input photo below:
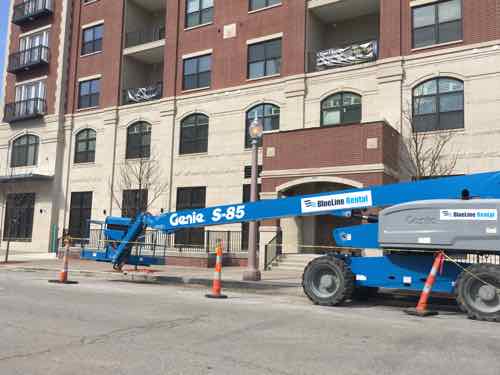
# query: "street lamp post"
[[252, 273]]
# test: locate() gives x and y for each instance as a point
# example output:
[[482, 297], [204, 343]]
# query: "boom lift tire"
[[328, 281], [474, 297]]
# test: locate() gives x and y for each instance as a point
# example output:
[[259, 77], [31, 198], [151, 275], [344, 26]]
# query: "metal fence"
[[273, 250], [158, 243], [135, 38]]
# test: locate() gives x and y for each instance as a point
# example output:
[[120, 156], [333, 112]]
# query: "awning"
[[27, 177]]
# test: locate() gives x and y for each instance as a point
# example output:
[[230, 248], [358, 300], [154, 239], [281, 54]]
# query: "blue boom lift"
[[457, 215]]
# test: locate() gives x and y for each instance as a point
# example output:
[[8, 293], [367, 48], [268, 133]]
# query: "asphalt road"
[[108, 327]]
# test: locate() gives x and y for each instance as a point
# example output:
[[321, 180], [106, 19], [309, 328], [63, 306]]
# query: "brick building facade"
[[330, 79]]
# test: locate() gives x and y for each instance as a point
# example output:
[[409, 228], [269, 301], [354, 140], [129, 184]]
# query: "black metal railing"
[[135, 38], [338, 57], [142, 94], [28, 59], [273, 250], [24, 110], [158, 243], [30, 10]]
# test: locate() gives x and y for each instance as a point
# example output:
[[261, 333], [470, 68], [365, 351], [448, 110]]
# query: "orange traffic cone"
[[217, 282], [63, 275], [421, 309]]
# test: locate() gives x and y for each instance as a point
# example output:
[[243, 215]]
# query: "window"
[[194, 134], [341, 108], [259, 4], [138, 141], [134, 202], [188, 199], [437, 23], [247, 171], [88, 93], [92, 39], [34, 48], [25, 151], [197, 72], [80, 214], [199, 12], [30, 98], [264, 59], [438, 104], [19, 212], [85, 146], [268, 114]]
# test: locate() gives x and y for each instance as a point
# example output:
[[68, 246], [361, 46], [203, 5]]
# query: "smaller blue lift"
[[410, 221]]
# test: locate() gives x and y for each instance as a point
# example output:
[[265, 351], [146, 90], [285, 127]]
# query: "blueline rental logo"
[[337, 202], [469, 214]]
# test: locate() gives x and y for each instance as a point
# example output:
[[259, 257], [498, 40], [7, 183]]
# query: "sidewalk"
[[276, 280]]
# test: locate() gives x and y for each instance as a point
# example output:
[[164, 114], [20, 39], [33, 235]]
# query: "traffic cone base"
[[216, 296], [63, 282], [420, 313]]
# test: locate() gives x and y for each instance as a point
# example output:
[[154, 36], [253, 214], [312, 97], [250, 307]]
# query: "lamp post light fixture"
[[252, 273]]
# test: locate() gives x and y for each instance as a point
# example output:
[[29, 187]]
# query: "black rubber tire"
[[334, 266], [464, 284], [363, 293]]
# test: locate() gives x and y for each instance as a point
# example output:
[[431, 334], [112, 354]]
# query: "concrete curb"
[[165, 280]]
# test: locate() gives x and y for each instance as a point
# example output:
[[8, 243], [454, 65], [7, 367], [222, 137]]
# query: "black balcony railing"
[[28, 59], [24, 110], [135, 38], [142, 94], [30, 10]]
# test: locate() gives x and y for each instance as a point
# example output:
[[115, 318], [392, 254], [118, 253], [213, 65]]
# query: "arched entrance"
[[313, 234]]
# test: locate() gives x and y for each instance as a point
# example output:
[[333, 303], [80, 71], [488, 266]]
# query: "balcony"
[[28, 59], [25, 110], [342, 33], [142, 94], [31, 10], [138, 37]]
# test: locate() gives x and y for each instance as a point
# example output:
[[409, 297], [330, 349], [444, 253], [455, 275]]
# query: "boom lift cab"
[[416, 220]]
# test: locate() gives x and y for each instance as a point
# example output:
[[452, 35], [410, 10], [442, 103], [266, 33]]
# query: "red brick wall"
[[106, 63], [51, 70]]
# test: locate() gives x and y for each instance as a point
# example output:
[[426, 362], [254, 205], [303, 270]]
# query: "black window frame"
[[190, 237], [134, 201], [436, 25], [199, 14], [265, 120], [138, 143], [438, 114], [266, 58], [19, 217], [343, 109], [90, 100], [20, 155], [197, 75], [85, 137], [80, 214], [268, 3], [93, 45], [198, 142]]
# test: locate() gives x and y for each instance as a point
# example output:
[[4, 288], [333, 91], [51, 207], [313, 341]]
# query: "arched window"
[[341, 108], [85, 146], [269, 114], [138, 140], [25, 151], [438, 104], [194, 134]]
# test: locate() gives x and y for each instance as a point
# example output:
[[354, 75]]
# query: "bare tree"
[[426, 154], [144, 178]]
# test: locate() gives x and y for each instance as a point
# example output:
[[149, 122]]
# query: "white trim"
[[199, 53], [198, 26], [437, 45], [265, 38], [35, 31], [143, 47], [91, 54], [416, 3], [31, 80], [89, 2], [265, 8], [91, 24], [264, 77], [89, 78]]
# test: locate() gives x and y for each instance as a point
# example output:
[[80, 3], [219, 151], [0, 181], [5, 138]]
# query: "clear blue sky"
[[4, 22]]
